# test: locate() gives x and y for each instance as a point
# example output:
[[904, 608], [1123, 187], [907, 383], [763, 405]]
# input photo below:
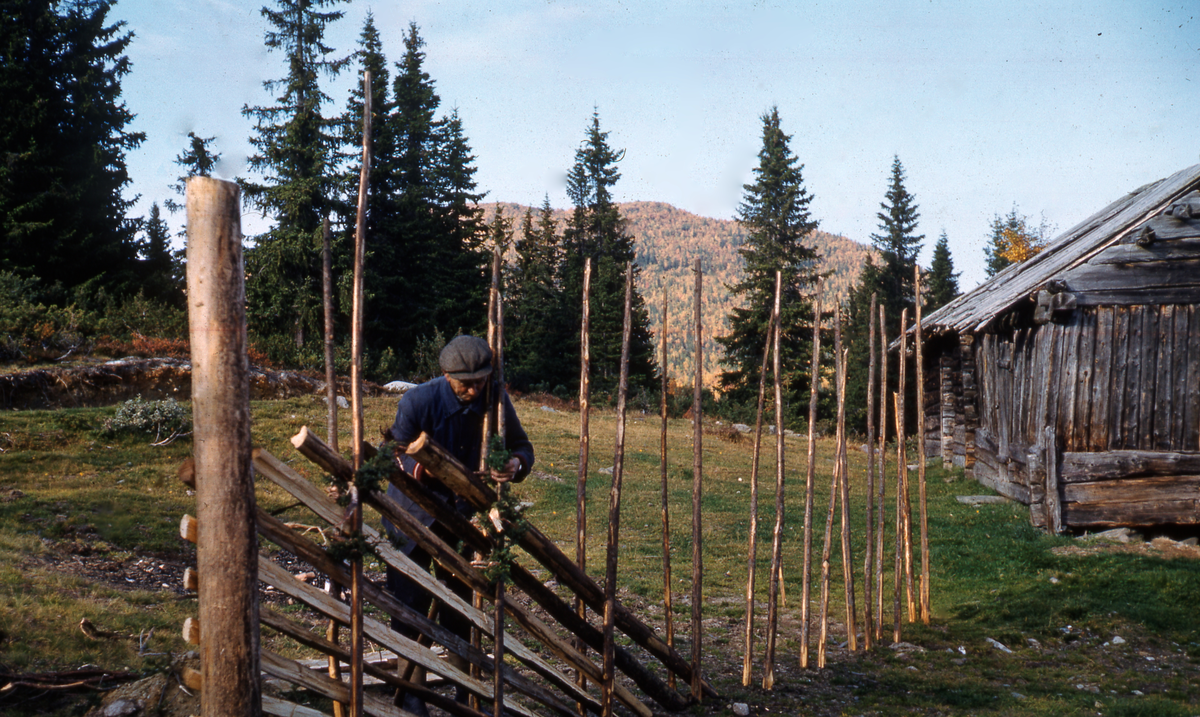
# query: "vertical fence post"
[[666, 512], [227, 547], [697, 491], [752, 548], [614, 508], [814, 382]]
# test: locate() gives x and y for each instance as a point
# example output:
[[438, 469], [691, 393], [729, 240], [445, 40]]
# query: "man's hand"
[[509, 472]]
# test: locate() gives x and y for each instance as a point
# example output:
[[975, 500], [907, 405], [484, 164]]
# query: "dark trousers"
[[417, 598]]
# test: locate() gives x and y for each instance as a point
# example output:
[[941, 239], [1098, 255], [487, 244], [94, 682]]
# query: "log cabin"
[[1071, 382]]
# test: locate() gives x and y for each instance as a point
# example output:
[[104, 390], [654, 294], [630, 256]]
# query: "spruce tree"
[[941, 284], [63, 137], [198, 160], [161, 270], [532, 326], [295, 158], [891, 280], [596, 230], [431, 240], [381, 330], [775, 213]]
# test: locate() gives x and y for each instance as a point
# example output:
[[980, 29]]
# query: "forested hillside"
[[668, 241]]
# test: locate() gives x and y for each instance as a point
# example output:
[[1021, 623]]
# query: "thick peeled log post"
[[227, 549]]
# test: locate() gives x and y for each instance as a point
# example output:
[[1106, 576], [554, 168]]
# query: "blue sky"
[[1056, 107]]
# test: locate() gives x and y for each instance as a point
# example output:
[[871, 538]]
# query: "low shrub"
[[160, 418]]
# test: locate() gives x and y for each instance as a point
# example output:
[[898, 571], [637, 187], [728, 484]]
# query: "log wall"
[[1108, 380]]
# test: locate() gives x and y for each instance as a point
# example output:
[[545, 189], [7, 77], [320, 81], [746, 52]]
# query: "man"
[[451, 410]]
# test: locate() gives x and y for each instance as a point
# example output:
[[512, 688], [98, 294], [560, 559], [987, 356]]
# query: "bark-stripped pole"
[[923, 504], [901, 473], [752, 548], [839, 362], [777, 535], [906, 502], [666, 514], [584, 445], [614, 507], [355, 526], [498, 373], [869, 558], [227, 547], [814, 382], [490, 418], [883, 411], [697, 494], [331, 422], [898, 578], [847, 553]]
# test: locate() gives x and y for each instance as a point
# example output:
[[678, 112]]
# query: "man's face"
[[466, 390]]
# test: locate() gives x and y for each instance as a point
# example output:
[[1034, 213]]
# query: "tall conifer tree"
[[597, 230], [295, 157], [891, 280], [161, 270], [63, 137], [942, 280], [775, 213], [533, 325], [431, 254]]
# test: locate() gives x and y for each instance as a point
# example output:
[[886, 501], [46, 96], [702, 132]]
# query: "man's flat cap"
[[466, 358]]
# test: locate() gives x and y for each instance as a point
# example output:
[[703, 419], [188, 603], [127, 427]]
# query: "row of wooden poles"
[[229, 567], [227, 555], [916, 598]]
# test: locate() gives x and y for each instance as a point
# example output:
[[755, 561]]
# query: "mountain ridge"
[[668, 240]]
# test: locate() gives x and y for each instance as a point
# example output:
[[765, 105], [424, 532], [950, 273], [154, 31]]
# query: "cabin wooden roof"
[[1066, 256]]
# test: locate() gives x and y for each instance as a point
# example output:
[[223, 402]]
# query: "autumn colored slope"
[[669, 240]]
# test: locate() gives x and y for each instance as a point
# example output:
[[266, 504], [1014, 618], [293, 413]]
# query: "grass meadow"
[[89, 529]]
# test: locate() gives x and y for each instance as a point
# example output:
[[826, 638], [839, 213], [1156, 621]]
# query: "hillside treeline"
[[668, 240]]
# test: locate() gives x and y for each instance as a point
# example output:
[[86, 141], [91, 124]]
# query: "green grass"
[[65, 486]]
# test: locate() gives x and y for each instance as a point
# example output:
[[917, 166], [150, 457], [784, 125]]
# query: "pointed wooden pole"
[[501, 489], [839, 482], [227, 547], [906, 501], [844, 481], [356, 568], [921, 497], [697, 494], [584, 446], [869, 558], [898, 579], [810, 480], [614, 507], [752, 548], [879, 533], [777, 535], [668, 609], [331, 423]]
